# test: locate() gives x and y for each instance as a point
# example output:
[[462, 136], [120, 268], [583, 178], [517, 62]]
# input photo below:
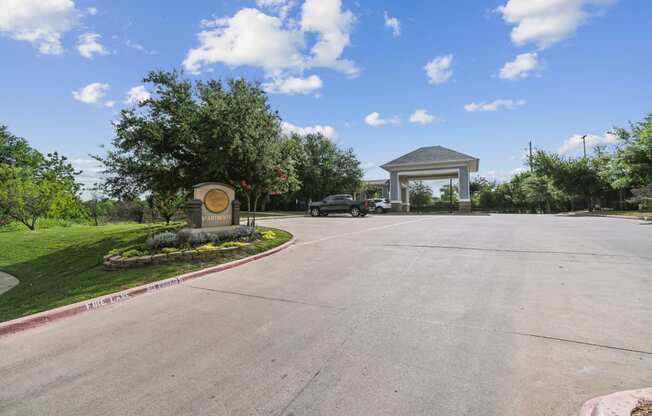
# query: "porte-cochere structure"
[[429, 163]]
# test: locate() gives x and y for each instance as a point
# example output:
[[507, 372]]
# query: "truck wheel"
[[355, 212], [314, 212], [379, 210]]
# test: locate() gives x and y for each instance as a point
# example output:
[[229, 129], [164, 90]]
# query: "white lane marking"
[[360, 232]]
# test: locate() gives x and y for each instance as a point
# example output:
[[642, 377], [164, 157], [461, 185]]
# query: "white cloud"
[[139, 47], [277, 45], [91, 11], [137, 95], [92, 93], [575, 143], [394, 24], [495, 105], [88, 44], [293, 85], [280, 7], [439, 69], [333, 26], [250, 37], [521, 67], [39, 22], [327, 131], [110, 104], [375, 120], [422, 117], [92, 173], [518, 171], [546, 22]]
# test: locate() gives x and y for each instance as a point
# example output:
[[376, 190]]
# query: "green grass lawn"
[[62, 265]]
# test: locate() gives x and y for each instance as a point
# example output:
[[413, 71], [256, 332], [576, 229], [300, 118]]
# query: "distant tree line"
[[552, 183]]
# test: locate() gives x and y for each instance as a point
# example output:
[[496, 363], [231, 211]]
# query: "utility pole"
[[530, 155], [584, 143]]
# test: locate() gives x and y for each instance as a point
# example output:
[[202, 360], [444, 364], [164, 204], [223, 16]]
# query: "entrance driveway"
[[384, 315]]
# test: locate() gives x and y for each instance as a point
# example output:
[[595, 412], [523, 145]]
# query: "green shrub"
[[134, 252], [229, 244], [159, 241], [207, 247], [201, 238], [168, 250], [268, 235]]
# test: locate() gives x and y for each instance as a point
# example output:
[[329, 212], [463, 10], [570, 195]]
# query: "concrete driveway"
[[384, 315]]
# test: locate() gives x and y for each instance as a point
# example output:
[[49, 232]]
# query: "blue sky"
[[501, 72]]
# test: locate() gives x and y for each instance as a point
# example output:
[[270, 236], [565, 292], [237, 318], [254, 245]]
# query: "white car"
[[382, 205]]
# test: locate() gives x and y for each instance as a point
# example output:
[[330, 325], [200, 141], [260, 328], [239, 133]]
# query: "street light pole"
[[584, 143]]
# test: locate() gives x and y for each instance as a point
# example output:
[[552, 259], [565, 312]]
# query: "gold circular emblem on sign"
[[216, 201]]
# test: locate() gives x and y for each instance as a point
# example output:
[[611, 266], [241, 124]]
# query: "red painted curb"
[[38, 319], [616, 404]]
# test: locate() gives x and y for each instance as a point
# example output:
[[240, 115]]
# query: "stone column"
[[465, 190], [407, 196], [193, 211], [235, 212], [394, 191]]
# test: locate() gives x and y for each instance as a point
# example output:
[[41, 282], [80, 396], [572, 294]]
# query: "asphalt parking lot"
[[383, 315]]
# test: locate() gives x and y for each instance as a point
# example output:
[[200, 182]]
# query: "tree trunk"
[[589, 206], [255, 207], [248, 208]]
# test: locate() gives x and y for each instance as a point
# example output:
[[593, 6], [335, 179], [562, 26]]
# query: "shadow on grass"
[[75, 273]]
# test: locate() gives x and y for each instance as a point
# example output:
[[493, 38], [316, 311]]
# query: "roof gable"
[[430, 154]]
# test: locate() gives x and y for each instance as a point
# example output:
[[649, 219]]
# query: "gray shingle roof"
[[430, 154]]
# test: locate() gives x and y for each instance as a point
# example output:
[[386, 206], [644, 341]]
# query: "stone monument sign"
[[213, 206]]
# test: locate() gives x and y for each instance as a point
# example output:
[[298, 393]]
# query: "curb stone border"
[[41, 318], [119, 262]]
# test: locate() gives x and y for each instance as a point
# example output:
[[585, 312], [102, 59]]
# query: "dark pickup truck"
[[340, 204]]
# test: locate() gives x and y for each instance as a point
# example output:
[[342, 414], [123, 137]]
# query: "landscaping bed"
[[63, 265]]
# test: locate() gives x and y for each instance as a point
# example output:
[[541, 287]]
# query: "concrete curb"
[[275, 217], [616, 404], [621, 217], [41, 318]]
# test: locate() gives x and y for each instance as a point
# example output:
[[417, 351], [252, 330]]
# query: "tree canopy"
[[188, 133], [33, 185]]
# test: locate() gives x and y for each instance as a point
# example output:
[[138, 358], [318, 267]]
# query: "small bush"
[[134, 252], [159, 241], [207, 247], [201, 238], [268, 235], [229, 244], [168, 250]]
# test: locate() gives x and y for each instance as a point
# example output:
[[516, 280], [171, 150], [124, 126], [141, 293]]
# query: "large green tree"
[[16, 151], [420, 195], [631, 165], [323, 168], [573, 176], [33, 185], [188, 133]]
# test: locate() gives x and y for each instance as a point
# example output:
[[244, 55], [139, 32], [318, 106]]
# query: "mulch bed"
[[643, 409]]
